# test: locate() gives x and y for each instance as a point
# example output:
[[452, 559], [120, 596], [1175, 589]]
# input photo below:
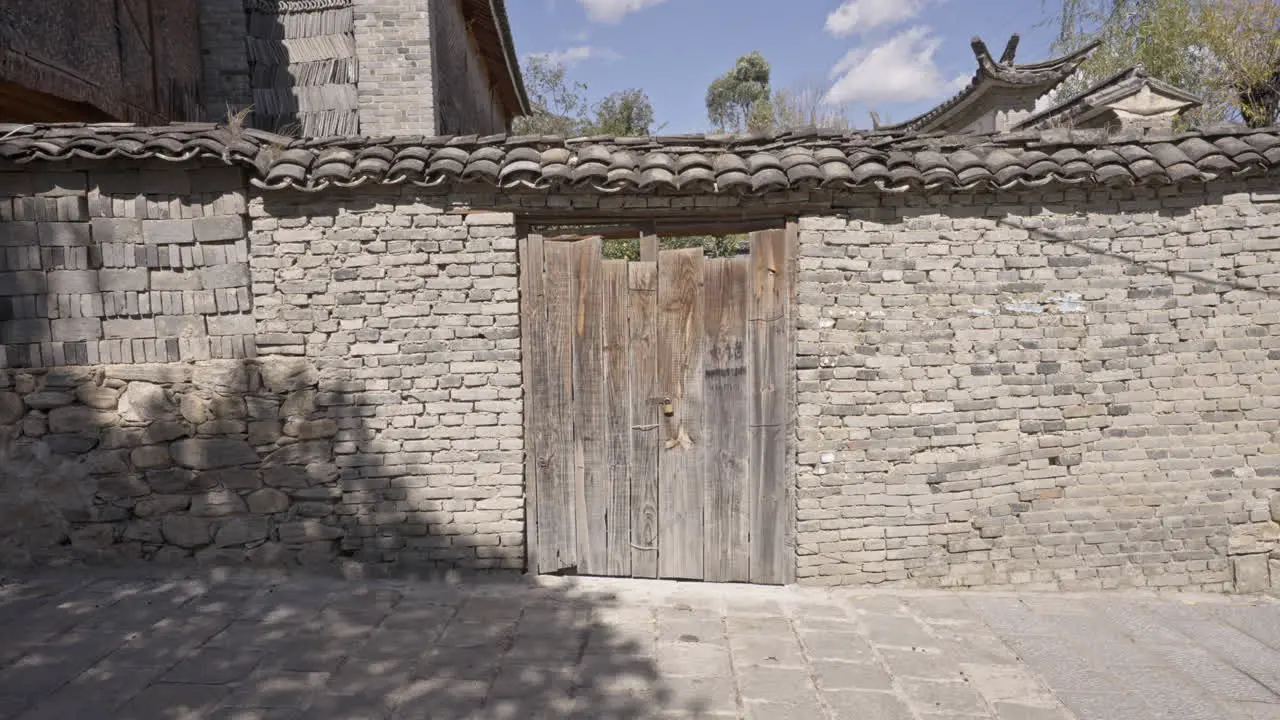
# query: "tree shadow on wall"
[[206, 470]]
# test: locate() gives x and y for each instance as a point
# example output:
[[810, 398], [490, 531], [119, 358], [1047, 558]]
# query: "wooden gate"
[[657, 410]]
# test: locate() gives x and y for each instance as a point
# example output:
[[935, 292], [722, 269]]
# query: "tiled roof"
[[716, 164], [1035, 79], [1120, 85]]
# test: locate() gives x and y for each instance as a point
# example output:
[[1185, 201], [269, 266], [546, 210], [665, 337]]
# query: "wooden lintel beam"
[[579, 226]]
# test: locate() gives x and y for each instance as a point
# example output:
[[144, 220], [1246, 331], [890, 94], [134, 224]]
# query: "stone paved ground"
[[257, 647]]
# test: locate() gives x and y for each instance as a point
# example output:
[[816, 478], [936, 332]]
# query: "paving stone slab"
[[694, 659], [858, 705], [830, 645], [277, 689], [776, 684], [214, 666], [751, 650], [703, 694], [944, 697], [832, 675], [305, 646], [783, 711], [173, 701], [1019, 711]]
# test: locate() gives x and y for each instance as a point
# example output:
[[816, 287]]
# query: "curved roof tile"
[[716, 164]]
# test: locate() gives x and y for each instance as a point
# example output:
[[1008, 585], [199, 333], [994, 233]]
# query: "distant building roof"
[[1106, 98], [1027, 81]]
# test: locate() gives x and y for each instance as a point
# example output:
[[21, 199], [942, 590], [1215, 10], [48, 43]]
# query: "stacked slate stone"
[[303, 66]]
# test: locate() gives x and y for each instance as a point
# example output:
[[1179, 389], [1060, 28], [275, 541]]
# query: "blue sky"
[[899, 57]]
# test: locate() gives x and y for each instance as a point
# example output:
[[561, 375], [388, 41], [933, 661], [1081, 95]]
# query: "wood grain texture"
[[617, 416], [680, 465], [769, 317], [591, 470], [726, 419], [649, 248], [645, 427], [533, 321], [791, 248], [557, 491]]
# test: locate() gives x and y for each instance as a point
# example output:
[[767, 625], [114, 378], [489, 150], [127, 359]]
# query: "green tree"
[[739, 100], [1225, 51], [712, 245], [623, 113], [1243, 37], [561, 107]]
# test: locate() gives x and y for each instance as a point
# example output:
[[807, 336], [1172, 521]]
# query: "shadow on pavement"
[[249, 649]]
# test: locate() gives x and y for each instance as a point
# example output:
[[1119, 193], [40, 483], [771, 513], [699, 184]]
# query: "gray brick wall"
[[1044, 390], [103, 266], [410, 316], [396, 85], [1063, 390]]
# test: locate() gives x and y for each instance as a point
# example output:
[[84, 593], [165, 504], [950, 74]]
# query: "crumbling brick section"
[[1061, 390], [410, 316]]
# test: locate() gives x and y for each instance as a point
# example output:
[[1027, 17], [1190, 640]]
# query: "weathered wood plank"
[[680, 464], [791, 250], [617, 419], [591, 471], [649, 248], [533, 322], [727, 556], [645, 429], [557, 492], [769, 316]]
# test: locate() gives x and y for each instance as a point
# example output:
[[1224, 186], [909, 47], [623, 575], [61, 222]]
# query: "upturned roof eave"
[[1039, 77]]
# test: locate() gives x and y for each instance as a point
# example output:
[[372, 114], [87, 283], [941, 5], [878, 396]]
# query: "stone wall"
[[1059, 390], [381, 426], [226, 460], [410, 316], [396, 83]]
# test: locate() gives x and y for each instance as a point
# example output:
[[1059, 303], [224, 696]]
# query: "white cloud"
[[1046, 101], [612, 11], [574, 55], [863, 15], [900, 70]]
